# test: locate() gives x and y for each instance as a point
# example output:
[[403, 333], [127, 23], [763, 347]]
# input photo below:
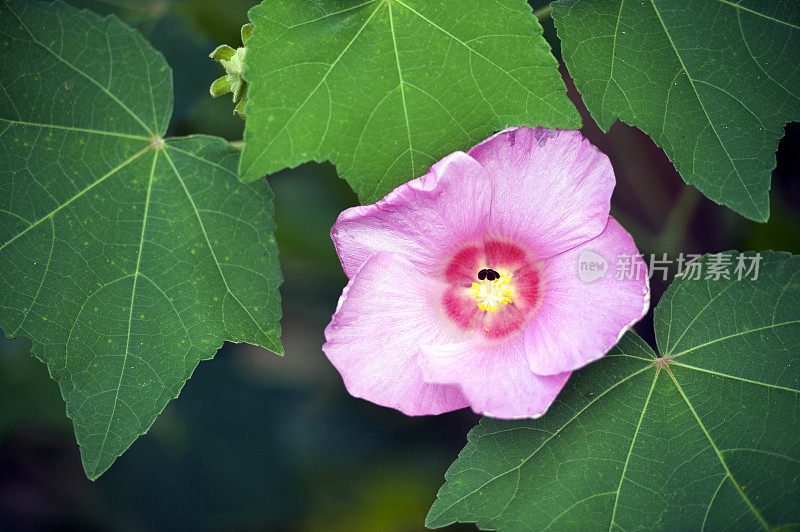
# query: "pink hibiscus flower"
[[466, 285]]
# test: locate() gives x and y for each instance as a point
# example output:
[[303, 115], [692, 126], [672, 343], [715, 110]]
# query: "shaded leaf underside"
[[713, 83]]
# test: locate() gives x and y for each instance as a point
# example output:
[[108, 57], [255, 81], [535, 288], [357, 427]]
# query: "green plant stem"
[[645, 240], [238, 144], [544, 12], [673, 234]]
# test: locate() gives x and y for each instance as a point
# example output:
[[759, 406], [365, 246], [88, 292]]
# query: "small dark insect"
[[589, 394], [488, 274]]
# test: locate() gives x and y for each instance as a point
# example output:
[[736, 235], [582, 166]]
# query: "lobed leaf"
[[125, 257], [703, 436], [712, 82], [385, 88]]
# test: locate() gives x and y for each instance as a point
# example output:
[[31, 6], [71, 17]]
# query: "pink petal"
[[501, 254], [424, 220], [580, 320], [503, 322], [462, 308], [551, 188], [495, 379], [385, 312], [465, 263]]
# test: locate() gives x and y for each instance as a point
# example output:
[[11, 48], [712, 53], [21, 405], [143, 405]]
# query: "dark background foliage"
[[257, 441]]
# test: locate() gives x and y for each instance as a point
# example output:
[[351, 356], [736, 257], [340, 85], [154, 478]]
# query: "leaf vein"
[[468, 47], [630, 449], [545, 442], [78, 195], [211, 249], [130, 315], [315, 89], [722, 461], [702, 105], [402, 88], [84, 74], [742, 379]]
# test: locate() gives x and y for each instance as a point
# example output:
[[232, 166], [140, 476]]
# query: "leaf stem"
[[644, 237], [238, 144], [674, 233], [544, 12]]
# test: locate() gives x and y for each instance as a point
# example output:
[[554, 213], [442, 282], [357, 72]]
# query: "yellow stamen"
[[490, 295]]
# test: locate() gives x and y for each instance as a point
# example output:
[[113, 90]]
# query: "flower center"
[[495, 303], [492, 290]]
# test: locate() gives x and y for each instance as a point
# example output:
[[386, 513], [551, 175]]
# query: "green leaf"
[[223, 51], [220, 86], [713, 83], [125, 258], [385, 88], [246, 32], [704, 436]]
